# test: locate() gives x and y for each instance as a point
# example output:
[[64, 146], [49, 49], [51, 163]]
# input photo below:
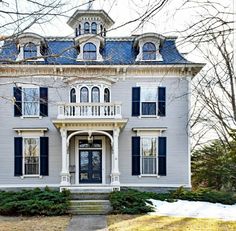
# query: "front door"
[[90, 166]]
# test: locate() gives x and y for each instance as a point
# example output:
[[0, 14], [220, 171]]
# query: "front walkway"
[[88, 223]]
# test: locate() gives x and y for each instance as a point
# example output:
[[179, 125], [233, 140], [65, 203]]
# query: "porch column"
[[115, 173], [65, 175]]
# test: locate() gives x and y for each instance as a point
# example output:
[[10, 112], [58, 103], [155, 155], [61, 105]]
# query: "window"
[[94, 28], [95, 95], [86, 28], [30, 50], [148, 155], [84, 96], [72, 95], [101, 30], [31, 155], [90, 52], [148, 100], [149, 51], [79, 29], [30, 101], [106, 95]]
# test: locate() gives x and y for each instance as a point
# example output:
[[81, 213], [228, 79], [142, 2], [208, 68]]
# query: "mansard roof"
[[116, 51]]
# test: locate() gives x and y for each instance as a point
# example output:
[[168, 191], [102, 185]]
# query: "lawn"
[[56, 223], [148, 223]]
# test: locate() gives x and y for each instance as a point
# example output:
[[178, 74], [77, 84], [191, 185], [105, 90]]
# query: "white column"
[[65, 175], [115, 173]]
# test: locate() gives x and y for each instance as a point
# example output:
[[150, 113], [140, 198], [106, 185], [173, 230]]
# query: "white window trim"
[[23, 105], [23, 159]]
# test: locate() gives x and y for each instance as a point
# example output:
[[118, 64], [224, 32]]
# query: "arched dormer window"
[[89, 52], [106, 95], [95, 97], [84, 95], [149, 51], [86, 28], [94, 28], [30, 50], [73, 95]]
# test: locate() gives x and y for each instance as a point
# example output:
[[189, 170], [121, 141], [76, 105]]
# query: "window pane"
[[84, 95], [95, 95], [106, 95], [31, 101], [148, 94], [94, 28], [149, 155], [149, 108], [73, 96], [31, 156]]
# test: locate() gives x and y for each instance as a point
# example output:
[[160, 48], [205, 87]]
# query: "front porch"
[[90, 154]]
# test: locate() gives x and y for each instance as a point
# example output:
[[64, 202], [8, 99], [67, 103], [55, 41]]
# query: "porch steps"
[[93, 207]]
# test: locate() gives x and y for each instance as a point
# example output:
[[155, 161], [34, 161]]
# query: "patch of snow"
[[197, 209]]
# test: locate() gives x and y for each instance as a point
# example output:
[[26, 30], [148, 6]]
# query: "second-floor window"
[[149, 51], [89, 52], [30, 50], [30, 98], [84, 95], [73, 95], [95, 95], [148, 101]]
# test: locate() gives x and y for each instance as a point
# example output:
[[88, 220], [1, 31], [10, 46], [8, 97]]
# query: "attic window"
[[90, 52], [86, 28], [149, 51], [30, 50], [94, 28]]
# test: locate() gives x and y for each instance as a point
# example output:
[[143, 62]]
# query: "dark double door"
[[90, 166]]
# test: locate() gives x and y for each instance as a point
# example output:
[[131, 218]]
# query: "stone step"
[[90, 207], [89, 196]]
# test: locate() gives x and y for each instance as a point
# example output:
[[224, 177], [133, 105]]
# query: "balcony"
[[89, 110]]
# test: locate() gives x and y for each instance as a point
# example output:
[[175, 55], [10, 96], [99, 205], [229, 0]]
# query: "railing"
[[89, 110]]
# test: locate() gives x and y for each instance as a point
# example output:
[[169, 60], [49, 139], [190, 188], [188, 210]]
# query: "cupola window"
[[94, 28], [30, 50], [86, 28], [89, 52], [149, 51]]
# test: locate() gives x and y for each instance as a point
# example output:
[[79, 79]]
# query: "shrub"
[[130, 202], [34, 202]]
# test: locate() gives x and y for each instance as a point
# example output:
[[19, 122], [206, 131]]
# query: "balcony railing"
[[89, 110]]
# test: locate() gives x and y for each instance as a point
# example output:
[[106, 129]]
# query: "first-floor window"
[[31, 155], [149, 155]]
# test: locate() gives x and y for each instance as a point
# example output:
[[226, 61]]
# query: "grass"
[[149, 223], [56, 223]]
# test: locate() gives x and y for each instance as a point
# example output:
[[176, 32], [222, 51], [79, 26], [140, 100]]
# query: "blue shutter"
[[17, 92], [135, 101], [18, 156], [161, 101], [135, 155], [162, 156], [44, 156], [43, 101]]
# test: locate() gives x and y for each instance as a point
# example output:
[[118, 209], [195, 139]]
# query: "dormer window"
[[94, 28], [86, 28], [30, 50], [149, 51], [89, 52], [149, 45]]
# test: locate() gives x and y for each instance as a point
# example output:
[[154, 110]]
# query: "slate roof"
[[116, 51]]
